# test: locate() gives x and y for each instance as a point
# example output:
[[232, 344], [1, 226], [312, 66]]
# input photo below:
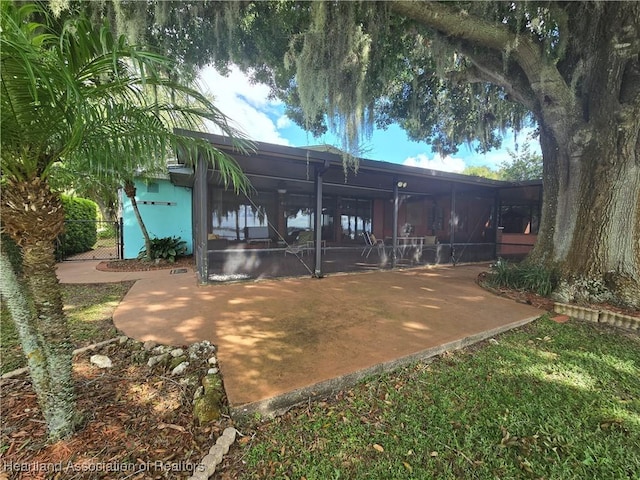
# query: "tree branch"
[[557, 103], [455, 23], [489, 67]]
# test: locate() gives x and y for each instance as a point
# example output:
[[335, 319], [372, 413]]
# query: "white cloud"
[[247, 105], [283, 122], [444, 164]]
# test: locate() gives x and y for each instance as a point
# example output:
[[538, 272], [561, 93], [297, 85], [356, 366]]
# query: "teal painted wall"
[[161, 220]]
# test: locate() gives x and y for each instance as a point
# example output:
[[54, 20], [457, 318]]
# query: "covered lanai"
[[412, 215]]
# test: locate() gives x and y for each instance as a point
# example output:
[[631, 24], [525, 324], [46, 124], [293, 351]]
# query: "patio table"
[[406, 243]]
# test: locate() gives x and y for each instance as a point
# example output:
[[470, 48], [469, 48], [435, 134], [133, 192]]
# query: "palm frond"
[[82, 97]]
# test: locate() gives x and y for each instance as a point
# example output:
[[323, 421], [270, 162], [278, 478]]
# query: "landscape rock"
[[212, 361], [177, 361], [160, 349], [212, 382], [157, 359], [149, 344], [212, 371], [101, 361], [198, 393], [180, 369], [208, 407], [178, 352]]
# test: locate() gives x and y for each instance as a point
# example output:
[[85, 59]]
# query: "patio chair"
[[295, 249], [371, 242], [430, 241], [301, 244]]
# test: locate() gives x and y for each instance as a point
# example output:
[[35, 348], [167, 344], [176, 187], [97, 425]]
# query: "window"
[[231, 214], [519, 219], [355, 217]]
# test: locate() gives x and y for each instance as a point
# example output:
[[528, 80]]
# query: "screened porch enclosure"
[[417, 216], [286, 215]]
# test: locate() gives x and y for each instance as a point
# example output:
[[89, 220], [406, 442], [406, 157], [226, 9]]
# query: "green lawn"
[[89, 309], [552, 401]]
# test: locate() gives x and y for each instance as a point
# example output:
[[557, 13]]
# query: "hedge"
[[81, 231]]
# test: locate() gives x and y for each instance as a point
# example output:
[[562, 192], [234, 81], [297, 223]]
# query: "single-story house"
[[409, 213]]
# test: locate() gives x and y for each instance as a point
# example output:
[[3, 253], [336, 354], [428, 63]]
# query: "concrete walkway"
[[283, 341]]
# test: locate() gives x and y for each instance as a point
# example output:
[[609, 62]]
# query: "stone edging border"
[[210, 461], [598, 316], [207, 466]]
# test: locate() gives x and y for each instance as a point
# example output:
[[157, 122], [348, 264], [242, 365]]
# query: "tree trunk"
[[34, 218], [590, 225], [130, 192], [586, 101]]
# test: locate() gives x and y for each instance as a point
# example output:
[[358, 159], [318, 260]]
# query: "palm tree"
[[73, 94], [129, 189]]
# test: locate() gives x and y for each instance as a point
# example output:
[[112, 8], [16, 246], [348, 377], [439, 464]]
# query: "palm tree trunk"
[[15, 298], [35, 303], [130, 192]]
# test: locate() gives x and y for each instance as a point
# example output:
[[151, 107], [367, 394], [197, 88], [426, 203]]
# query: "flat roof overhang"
[[272, 166]]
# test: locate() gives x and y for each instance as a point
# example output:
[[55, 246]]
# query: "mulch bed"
[[138, 424], [135, 265], [138, 419]]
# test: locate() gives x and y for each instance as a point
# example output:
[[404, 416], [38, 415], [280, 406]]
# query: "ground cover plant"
[[547, 401], [523, 276]]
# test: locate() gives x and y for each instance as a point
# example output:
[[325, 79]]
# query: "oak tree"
[[455, 72]]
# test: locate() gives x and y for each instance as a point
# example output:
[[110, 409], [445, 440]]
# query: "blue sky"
[[263, 120]]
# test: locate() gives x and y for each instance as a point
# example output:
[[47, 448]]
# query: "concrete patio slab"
[[282, 341]]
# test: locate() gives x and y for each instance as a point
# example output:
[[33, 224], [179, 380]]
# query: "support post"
[[317, 270], [200, 220], [120, 230], [453, 221], [497, 206], [394, 234]]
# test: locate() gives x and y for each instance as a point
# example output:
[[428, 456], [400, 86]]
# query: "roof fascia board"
[[320, 157]]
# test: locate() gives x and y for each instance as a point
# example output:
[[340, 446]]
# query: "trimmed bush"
[[81, 233]]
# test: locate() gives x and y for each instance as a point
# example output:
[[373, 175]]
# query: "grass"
[[89, 310], [553, 401]]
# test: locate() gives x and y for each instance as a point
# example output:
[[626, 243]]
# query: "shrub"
[[81, 234], [167, 248], [107, 231], [523, 276]]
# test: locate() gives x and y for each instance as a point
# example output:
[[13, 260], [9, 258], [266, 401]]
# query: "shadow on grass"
[[546, 401]]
